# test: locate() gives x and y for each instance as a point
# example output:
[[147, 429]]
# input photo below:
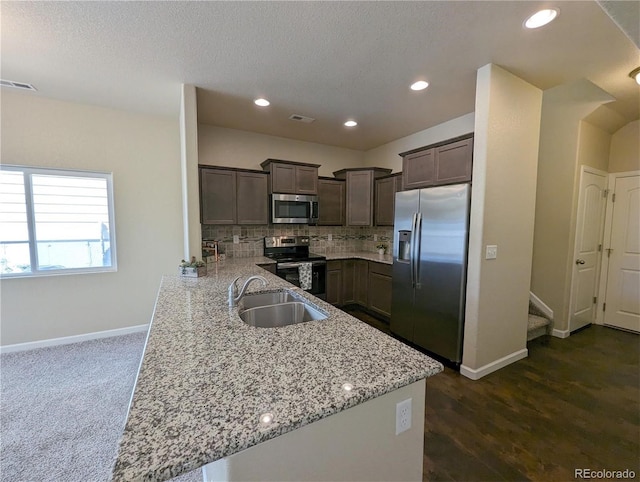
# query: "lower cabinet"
[[361, 282], [380, 289], [334, 282]]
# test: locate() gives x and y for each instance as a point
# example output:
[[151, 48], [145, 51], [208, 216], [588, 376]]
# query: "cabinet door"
[[418, 169], [283, 178], [385, 201], [331, 200], [306, 180], [217, 196], [252, 198], [348, 281], [361, 282], [334, 285], [380, 288], [360, 198], [453, 162]]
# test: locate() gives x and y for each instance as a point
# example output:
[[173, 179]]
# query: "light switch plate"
[[236, 239], [329, 237], [492, 251]]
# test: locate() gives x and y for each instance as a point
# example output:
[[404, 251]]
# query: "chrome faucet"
[[234, 297]]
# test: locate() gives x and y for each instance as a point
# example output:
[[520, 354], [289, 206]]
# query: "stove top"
[[291, 257]]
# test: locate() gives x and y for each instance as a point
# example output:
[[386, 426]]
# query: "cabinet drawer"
[[336, 264], [380, 268]]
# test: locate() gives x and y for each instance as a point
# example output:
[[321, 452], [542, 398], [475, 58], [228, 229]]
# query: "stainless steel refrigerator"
[[431, 233]]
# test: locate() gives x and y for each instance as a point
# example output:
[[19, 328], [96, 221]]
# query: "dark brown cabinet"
[[348, 281], [385, 197], [360, 193], [288, 177], [361, 282], [379, 289], [334, 282], [251, 198], [229, 196], [445, 163], [331, 202]]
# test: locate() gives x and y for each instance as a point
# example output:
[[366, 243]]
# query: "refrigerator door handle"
[[414, 224], [418, 248]]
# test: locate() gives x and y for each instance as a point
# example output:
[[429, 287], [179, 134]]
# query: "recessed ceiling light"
[[347, 387], [541, 18], [351, 123], [420, 85], [635, 74], [261, 102]]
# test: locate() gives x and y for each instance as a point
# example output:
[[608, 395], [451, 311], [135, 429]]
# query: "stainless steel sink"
[[253, 300], [281, 314]]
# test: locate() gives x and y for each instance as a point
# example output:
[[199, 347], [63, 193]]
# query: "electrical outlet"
[[329, 237], [236, 239], [375, 237], [403, 416], [492, 252]]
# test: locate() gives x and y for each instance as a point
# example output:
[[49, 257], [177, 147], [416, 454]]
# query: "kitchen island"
[[207, 377]]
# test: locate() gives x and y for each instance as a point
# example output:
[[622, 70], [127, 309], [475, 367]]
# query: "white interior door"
[[588, 247], [623, 279]]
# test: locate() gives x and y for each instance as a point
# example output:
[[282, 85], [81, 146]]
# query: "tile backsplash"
[[343, 239]]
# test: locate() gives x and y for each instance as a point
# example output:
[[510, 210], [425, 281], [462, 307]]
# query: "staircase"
[[539, 325]]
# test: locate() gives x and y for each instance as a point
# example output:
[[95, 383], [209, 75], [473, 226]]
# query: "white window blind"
[[54, 222]]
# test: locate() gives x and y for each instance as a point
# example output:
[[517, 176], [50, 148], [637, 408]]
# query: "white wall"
[[143, 152], [624, 155], [505, 157], [561, 151], [593, 148], [387, 155], [219, 146]]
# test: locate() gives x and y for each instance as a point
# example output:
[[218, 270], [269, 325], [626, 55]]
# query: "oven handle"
[[297, 265]]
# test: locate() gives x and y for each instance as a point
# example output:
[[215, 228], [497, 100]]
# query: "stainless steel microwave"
[[294, 209]]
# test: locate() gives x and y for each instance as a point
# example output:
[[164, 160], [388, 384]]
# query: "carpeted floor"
[[63, 410]]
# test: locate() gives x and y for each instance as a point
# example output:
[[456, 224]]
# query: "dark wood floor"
[[572, 404]]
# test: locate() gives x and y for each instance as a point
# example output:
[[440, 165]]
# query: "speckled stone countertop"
[[386, 258], [206, 376]]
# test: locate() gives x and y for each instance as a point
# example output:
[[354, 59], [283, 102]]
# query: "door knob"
[[580, 261]]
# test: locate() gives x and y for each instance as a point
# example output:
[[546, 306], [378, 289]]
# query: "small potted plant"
[[193, 268], [382, 248]]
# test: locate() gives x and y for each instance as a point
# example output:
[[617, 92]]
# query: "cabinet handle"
[[580, 261]]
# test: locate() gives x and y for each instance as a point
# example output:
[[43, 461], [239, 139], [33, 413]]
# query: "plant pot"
[[381, 252], [189, 272]]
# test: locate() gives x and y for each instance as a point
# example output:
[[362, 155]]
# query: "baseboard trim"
[[32, 345], [560, 333], [476, 374], [548, 312]]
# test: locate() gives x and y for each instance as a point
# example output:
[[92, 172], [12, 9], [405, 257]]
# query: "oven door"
[[294, 208], [291, 273]]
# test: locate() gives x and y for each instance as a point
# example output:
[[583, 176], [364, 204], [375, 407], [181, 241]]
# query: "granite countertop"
[[369, 256], [206, 376]]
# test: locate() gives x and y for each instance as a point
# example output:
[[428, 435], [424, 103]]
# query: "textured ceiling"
[[326, 60]]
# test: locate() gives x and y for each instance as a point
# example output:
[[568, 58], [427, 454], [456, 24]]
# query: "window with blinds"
[[54, 222]]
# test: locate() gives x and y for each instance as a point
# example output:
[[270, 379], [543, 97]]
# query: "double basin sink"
[[277, 308]]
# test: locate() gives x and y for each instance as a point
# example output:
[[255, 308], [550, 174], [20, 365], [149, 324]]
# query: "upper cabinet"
[[230, 196], [444, 163], [385, 199], [360, 193], [288, 177], [331, 202]]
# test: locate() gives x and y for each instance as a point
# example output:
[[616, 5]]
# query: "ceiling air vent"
[[301, 118], [17, 85]]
